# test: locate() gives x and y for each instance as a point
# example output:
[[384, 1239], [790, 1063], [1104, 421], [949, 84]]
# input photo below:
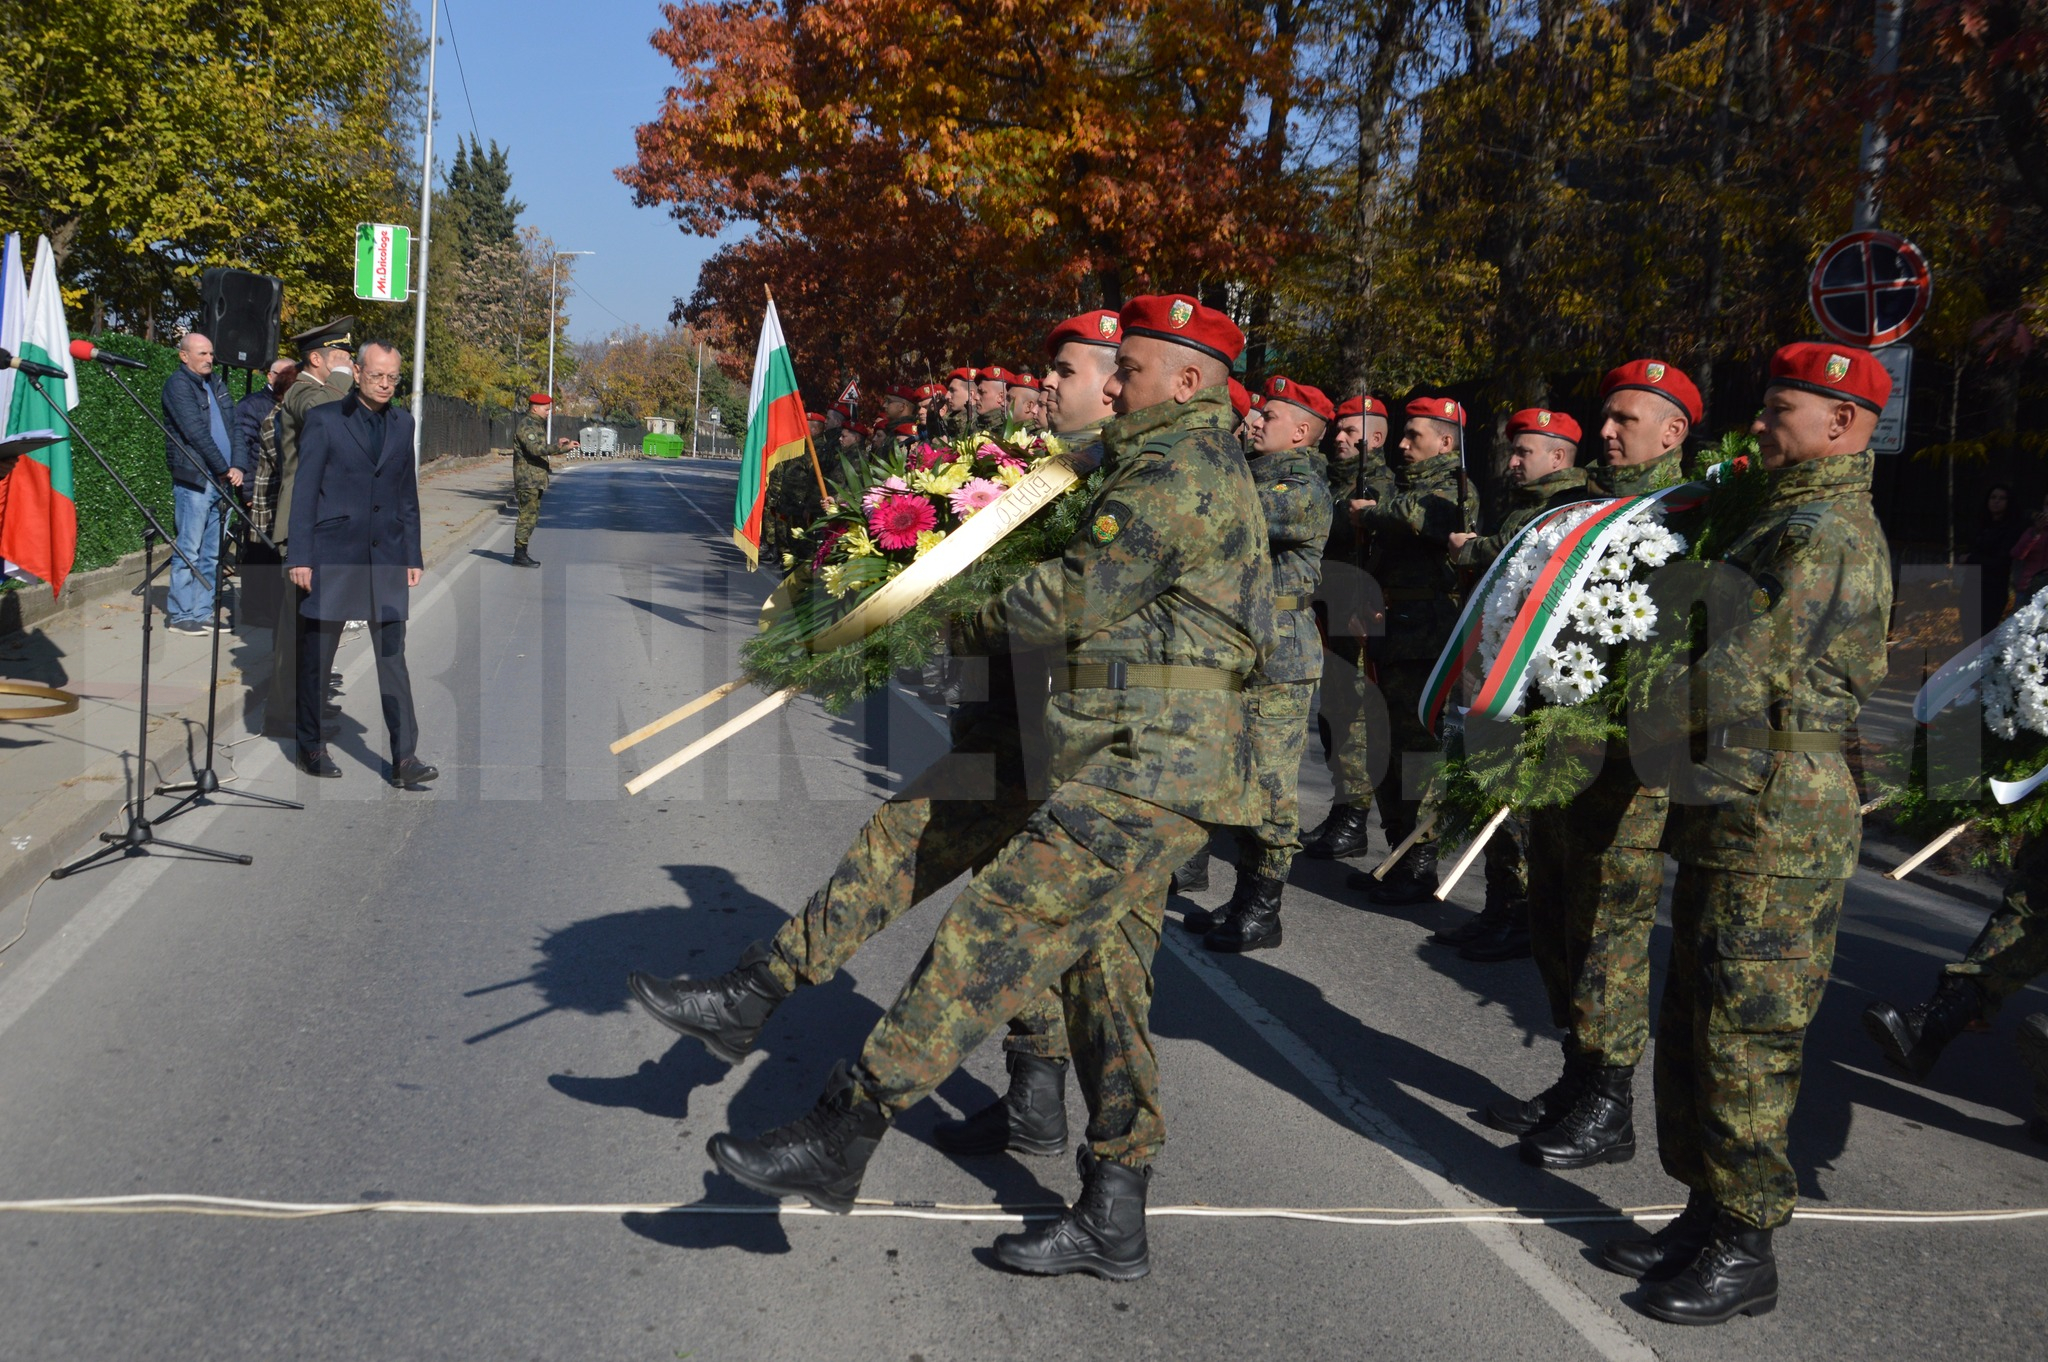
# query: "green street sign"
[[383, 262]]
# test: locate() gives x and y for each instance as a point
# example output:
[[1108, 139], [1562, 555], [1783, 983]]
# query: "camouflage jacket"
[[1796, 644], [1294, 492], [530, 448], [1341, 477], [305, 393], [1666, 470], [1410, 529], [1561, 488], [1168, 567]]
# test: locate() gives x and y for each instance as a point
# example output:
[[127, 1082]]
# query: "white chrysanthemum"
[[1655, 548], [1637, 612], [1612, 630]]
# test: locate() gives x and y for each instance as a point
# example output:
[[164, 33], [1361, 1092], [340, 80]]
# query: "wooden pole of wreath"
[[1471, 852], [61, 701], [894, 599], [1913, 862], [1423, 827]]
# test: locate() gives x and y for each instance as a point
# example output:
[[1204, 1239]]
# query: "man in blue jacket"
[[355, 551], [203, 439]]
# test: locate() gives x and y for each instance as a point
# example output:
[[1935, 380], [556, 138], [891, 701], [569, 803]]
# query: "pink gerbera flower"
[[974, 494], [873, 496], [991, 450], [1006, 458], [898, 520]]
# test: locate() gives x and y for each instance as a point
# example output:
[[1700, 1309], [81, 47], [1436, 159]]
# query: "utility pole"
[[554, 274], [697, 402], [1870, 160], [419, 324]]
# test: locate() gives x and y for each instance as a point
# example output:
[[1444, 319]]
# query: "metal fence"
[[453, 428]]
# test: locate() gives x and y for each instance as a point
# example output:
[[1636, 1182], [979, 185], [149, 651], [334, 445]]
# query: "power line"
[[475, 133]]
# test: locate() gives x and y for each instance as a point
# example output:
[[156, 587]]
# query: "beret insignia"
[[1654, 372], [1182, 313], [1543, 418], [1838, 367], [1279, 385], [1106, 325], [1450, 407]]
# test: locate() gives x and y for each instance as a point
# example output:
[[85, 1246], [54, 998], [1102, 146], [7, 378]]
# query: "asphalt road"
[[422, 997]]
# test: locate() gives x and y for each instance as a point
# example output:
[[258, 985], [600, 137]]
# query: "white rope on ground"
[[158, 1203]]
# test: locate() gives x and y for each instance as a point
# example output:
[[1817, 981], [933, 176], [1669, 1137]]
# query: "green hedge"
[[108, 527]]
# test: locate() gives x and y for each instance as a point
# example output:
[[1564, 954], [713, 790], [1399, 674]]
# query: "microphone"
[[84, 349], [30, 367]]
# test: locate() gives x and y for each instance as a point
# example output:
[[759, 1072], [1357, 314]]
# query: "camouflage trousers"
[[1750, 956], [1279, 733], [1595, 875], [529, 485], [952, 819], [1415, 751], [1075, 900], [2012, 950], [1354, 712], [1506, 858]]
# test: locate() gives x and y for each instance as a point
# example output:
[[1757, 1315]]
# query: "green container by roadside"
[[662, 446]]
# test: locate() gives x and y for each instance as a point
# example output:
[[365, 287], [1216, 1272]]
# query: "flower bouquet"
[[889, 514], [2005, 674]]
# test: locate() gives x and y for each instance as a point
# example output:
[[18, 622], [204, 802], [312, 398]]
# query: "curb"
[[90, 801]]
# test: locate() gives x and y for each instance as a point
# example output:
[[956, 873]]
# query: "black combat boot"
[[1735, 1274], [1510, 938], [1482, 923], [1193, 874], [2033, 1045], [1661, 1256], [1599, 1128], [1341, 834], [1202, 921], [1103, 1233], [1031, 1118], [1914, 1039], [726, 1013], [821, 1156], [520, 557], [1411, 881], [1546, 1108], [1254, 923]]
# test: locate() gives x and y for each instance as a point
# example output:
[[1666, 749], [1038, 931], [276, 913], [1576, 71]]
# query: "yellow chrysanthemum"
[[788, 561], [1009, 475], [945, 479], [858, 544], [836, 584], [928, 540]]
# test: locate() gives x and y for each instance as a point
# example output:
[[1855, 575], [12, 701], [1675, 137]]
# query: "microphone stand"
[[138, 838], [205, 781]]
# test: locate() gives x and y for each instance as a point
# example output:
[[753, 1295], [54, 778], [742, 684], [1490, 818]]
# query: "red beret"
[[1100, 327], [1310, 400], [843, 409], [967, 374], [1438, 409], [817, 416], [1362, 406], [1833, 371], [1178, 318], [1544, 421], [992, 371], [1021, 380], [903, 392], [1655, 376], [859, 429], [904, 428], [1258, 402], [1240, 399], [925, 390], [540, 399]]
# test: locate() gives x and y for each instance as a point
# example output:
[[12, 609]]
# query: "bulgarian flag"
[[777, 431], [38, 519]]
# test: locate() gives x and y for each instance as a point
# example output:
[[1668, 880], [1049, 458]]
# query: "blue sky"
[[564, 91]]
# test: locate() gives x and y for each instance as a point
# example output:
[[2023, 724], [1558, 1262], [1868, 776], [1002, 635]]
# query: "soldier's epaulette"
[[1801, 527]]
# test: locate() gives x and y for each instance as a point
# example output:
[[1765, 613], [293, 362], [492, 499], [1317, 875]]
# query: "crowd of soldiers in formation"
[[1243, 551]]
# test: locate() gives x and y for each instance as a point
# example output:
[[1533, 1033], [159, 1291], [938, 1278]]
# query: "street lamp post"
[[554, 275]]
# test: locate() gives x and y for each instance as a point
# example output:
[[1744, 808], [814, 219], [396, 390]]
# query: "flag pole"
[[824, 497]]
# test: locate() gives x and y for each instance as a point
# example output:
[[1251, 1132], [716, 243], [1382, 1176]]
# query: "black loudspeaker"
[[239, 313]]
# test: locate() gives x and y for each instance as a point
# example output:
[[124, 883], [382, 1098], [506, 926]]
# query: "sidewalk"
[[63, 781]]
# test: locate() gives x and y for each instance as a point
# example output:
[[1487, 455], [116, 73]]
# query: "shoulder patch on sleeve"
[[1109, 522]]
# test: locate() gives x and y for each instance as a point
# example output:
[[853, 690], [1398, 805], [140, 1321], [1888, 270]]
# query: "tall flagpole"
[[419, 324]]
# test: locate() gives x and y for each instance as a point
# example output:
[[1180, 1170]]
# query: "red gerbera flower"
[[898, 520], [926, 455], [827, 544]]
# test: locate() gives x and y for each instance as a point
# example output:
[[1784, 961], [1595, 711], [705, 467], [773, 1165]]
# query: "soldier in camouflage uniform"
[[1597, 870], [1411, 532], [1164, 605], [1541, 473], [991, 398], [951, 819], [530, 470], [1351, 706], [1767, 835], [961, 416], [2010, 953], [1294, 493]]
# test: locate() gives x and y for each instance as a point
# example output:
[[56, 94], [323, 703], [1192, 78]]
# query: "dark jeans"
[[394, 683]]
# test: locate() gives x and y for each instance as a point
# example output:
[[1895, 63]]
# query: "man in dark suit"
[[355, 552]]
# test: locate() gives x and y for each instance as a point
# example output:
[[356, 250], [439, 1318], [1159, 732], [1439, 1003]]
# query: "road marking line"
[[1585, 1315]]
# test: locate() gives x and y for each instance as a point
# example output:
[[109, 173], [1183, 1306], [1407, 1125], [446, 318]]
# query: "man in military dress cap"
[[1163, 604], [1287, 467], [1411, 531], [1767, 835], [1598, 871], [530, 471]]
